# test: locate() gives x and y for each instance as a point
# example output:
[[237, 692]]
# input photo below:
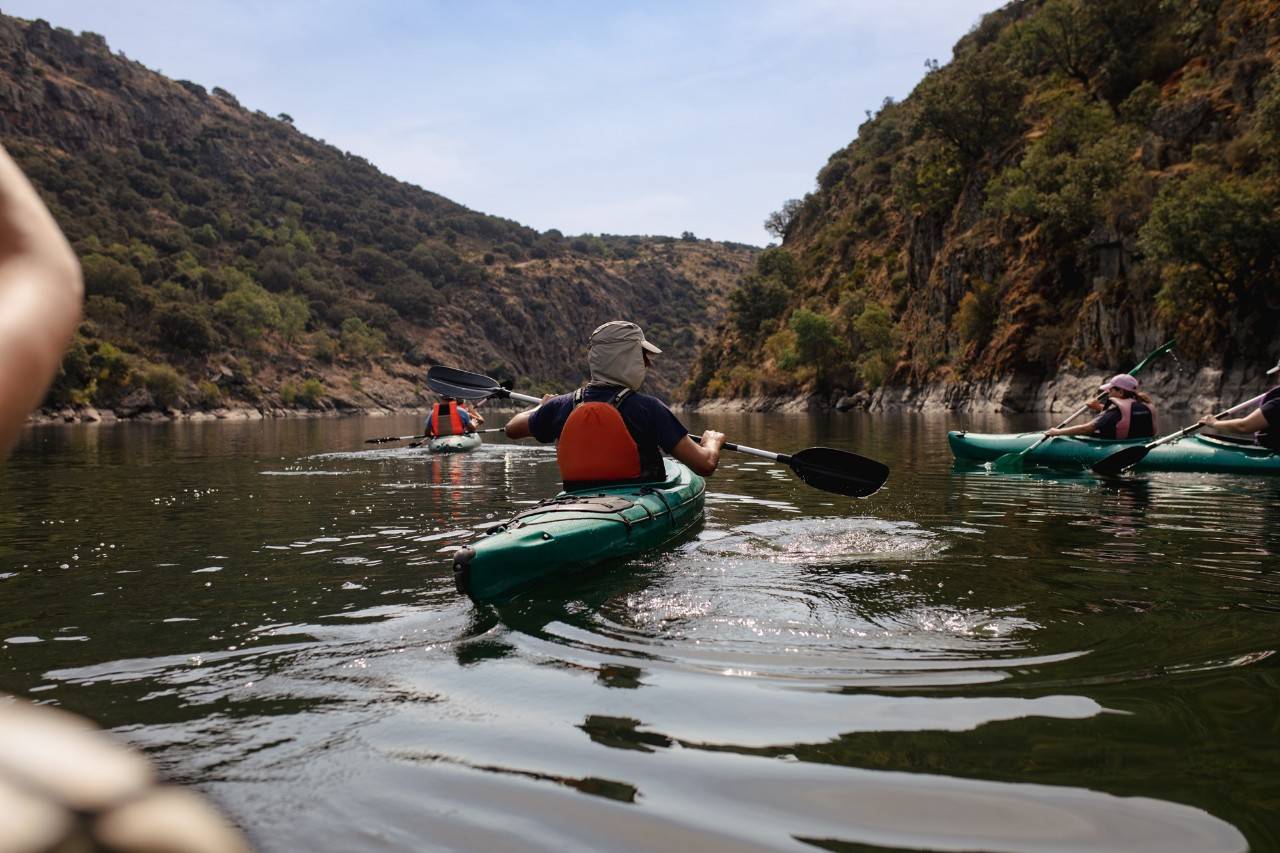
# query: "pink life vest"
[[1125, 405]]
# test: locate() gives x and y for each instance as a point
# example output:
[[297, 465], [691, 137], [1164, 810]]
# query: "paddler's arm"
[[702, 458], [1253, 422], [1079, 429], [40, 293], [518, 427]]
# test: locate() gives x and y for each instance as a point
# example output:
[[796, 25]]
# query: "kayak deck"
[[454, 443], [1198, 453], [579, 529]]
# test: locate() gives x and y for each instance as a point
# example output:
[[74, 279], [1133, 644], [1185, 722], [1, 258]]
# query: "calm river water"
[[965, 661]]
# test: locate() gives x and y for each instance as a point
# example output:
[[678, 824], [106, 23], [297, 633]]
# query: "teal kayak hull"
[[454, 443], [577, 530], [1193, 453]]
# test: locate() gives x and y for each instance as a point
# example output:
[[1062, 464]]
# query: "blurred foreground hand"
[[65, 786]]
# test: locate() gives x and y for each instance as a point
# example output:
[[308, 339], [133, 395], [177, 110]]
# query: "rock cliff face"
[[233, 262], [1084, 180]]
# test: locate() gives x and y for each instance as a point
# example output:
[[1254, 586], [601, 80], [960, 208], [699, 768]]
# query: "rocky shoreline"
[[90, 415], [1203, 390]]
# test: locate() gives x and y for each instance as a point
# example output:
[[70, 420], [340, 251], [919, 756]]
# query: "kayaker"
[[449, 417], [1127, 413], [1263, 422], [608, 432]]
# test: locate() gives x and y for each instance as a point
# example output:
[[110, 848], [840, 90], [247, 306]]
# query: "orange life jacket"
[[595, 445], [452, 425]]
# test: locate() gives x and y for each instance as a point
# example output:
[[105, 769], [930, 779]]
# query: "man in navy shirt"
[[1263, 422], [599, 450]]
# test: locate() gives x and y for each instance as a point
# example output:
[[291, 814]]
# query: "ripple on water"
[[820, 602], [818, 540]]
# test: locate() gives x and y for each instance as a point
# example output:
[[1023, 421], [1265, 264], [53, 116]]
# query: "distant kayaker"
[[449, 417], [1126, 413], [608, 432], [1263, 422]]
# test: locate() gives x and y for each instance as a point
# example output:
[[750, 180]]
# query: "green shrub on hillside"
[[310, 393], [1216, 239], [294, 316], [1066, 177], [816, 343], [973, 106], [1266, 114], [359, 340], [248, 310], [875, 341], [976, 316], [113, 374], [165, 384], [208, 395], [105, 276], [928, 178], [762, 296], [185, 327]]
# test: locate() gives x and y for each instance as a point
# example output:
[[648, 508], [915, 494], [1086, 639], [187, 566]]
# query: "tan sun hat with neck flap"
[[615, 353]]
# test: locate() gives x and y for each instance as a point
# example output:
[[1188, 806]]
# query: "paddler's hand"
[[1209, 421], [712, 440], [1052, 433]]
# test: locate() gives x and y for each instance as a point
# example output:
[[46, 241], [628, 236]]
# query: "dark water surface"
[[964, 661]]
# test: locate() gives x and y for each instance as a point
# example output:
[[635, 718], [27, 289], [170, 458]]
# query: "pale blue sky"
[[623, 118]]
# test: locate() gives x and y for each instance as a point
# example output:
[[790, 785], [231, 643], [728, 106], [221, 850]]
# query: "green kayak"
[[578, 529], [1194, 453], [454, 443]]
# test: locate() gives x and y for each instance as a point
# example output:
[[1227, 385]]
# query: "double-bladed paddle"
[[389, 438], [1012, 462], [1122, 460], [826, 468]]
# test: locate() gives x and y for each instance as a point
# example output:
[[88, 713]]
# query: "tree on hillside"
[[1216, 237], [780, 220], [816, 341], [972, 104]]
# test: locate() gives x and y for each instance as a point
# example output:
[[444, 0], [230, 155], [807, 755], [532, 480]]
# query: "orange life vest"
[[445, 426], [595, 445]]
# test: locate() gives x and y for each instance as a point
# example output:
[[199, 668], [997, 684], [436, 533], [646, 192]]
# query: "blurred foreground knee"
[[65, 786]]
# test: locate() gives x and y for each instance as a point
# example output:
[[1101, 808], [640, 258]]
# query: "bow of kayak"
[[454, 443], [1195, 453], [579, 529]]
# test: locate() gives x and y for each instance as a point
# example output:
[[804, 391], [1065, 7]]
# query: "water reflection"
[[966, 661]]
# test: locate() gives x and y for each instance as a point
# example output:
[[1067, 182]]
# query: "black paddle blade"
[[452, 382], [1120, 461], [839, 471]]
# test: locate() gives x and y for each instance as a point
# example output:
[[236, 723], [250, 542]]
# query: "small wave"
[[824, 540]]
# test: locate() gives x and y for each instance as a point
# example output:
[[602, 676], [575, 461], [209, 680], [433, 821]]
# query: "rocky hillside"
[[232, 261], [1083, 180]]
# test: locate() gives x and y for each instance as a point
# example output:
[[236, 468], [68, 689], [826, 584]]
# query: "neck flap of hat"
[[617, 363]]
